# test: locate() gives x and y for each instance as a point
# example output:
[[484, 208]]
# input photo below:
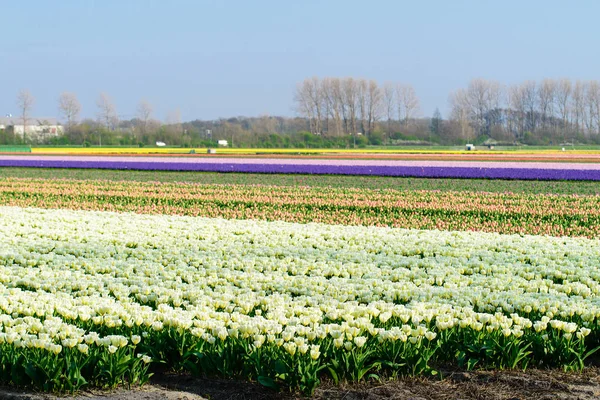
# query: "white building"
[[37, 128]]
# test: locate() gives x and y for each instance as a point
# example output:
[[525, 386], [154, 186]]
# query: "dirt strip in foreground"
[[480, 385]]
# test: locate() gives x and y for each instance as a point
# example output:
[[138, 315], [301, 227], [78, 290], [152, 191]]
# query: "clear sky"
[[212, 59]]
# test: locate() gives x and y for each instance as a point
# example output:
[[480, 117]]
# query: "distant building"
[[37, 128]]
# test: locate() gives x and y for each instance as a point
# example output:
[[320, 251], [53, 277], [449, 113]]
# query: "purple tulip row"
[[378, 170]]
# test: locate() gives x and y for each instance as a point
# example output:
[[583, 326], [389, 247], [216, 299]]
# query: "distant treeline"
[[350, 112], [546, 112], [250, 132]]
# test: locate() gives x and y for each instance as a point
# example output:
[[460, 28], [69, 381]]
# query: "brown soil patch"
[[479, 385]]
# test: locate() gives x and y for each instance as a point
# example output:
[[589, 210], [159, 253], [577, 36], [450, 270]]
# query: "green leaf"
[[393, 365], [280, 367], [191, 368], [32, 371], [471, 363], [589, 353], [268, 382], [334, 375], [16, 373], [193, 353]]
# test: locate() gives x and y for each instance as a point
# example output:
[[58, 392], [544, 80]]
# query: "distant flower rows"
[[556, 215], [95, 298], [426, 169]]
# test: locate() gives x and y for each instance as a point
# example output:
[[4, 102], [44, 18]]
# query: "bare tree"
[[478, 99], [362, 93], [350, 92], [578, 104], [106, 111], [407, 102], [495, 100], [563, 99], [303, 104], [173, 125], [325, 105], [518, 112], [337, 93], [69, 107], [316, 97], [546, 94], [389, 104], [25, 101], [266, 124], [144, 114], [483, 98], [332, 98], [374, 105], [460, 112], [593, 106], [529, 98], [309, 102]]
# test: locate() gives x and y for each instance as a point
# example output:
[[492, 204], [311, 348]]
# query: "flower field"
[[98, 298], [109, 276], [314, 181], [554, 152], [524, 213], [400, 168]]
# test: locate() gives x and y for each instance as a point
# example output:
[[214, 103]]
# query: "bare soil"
[[479, 385]]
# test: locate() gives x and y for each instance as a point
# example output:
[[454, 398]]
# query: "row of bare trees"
[[337, 106], [551, 108], [544, 112], [69, 109]]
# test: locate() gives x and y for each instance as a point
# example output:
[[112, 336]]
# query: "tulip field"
[[109, 276], [533, 170], [505, 212]]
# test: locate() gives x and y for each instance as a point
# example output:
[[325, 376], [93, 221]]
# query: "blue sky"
[[213, 59]]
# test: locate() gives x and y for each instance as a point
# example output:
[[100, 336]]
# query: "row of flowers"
[[572, 154], [334, 181], [583, 172], [557, 215], [280, 302]]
